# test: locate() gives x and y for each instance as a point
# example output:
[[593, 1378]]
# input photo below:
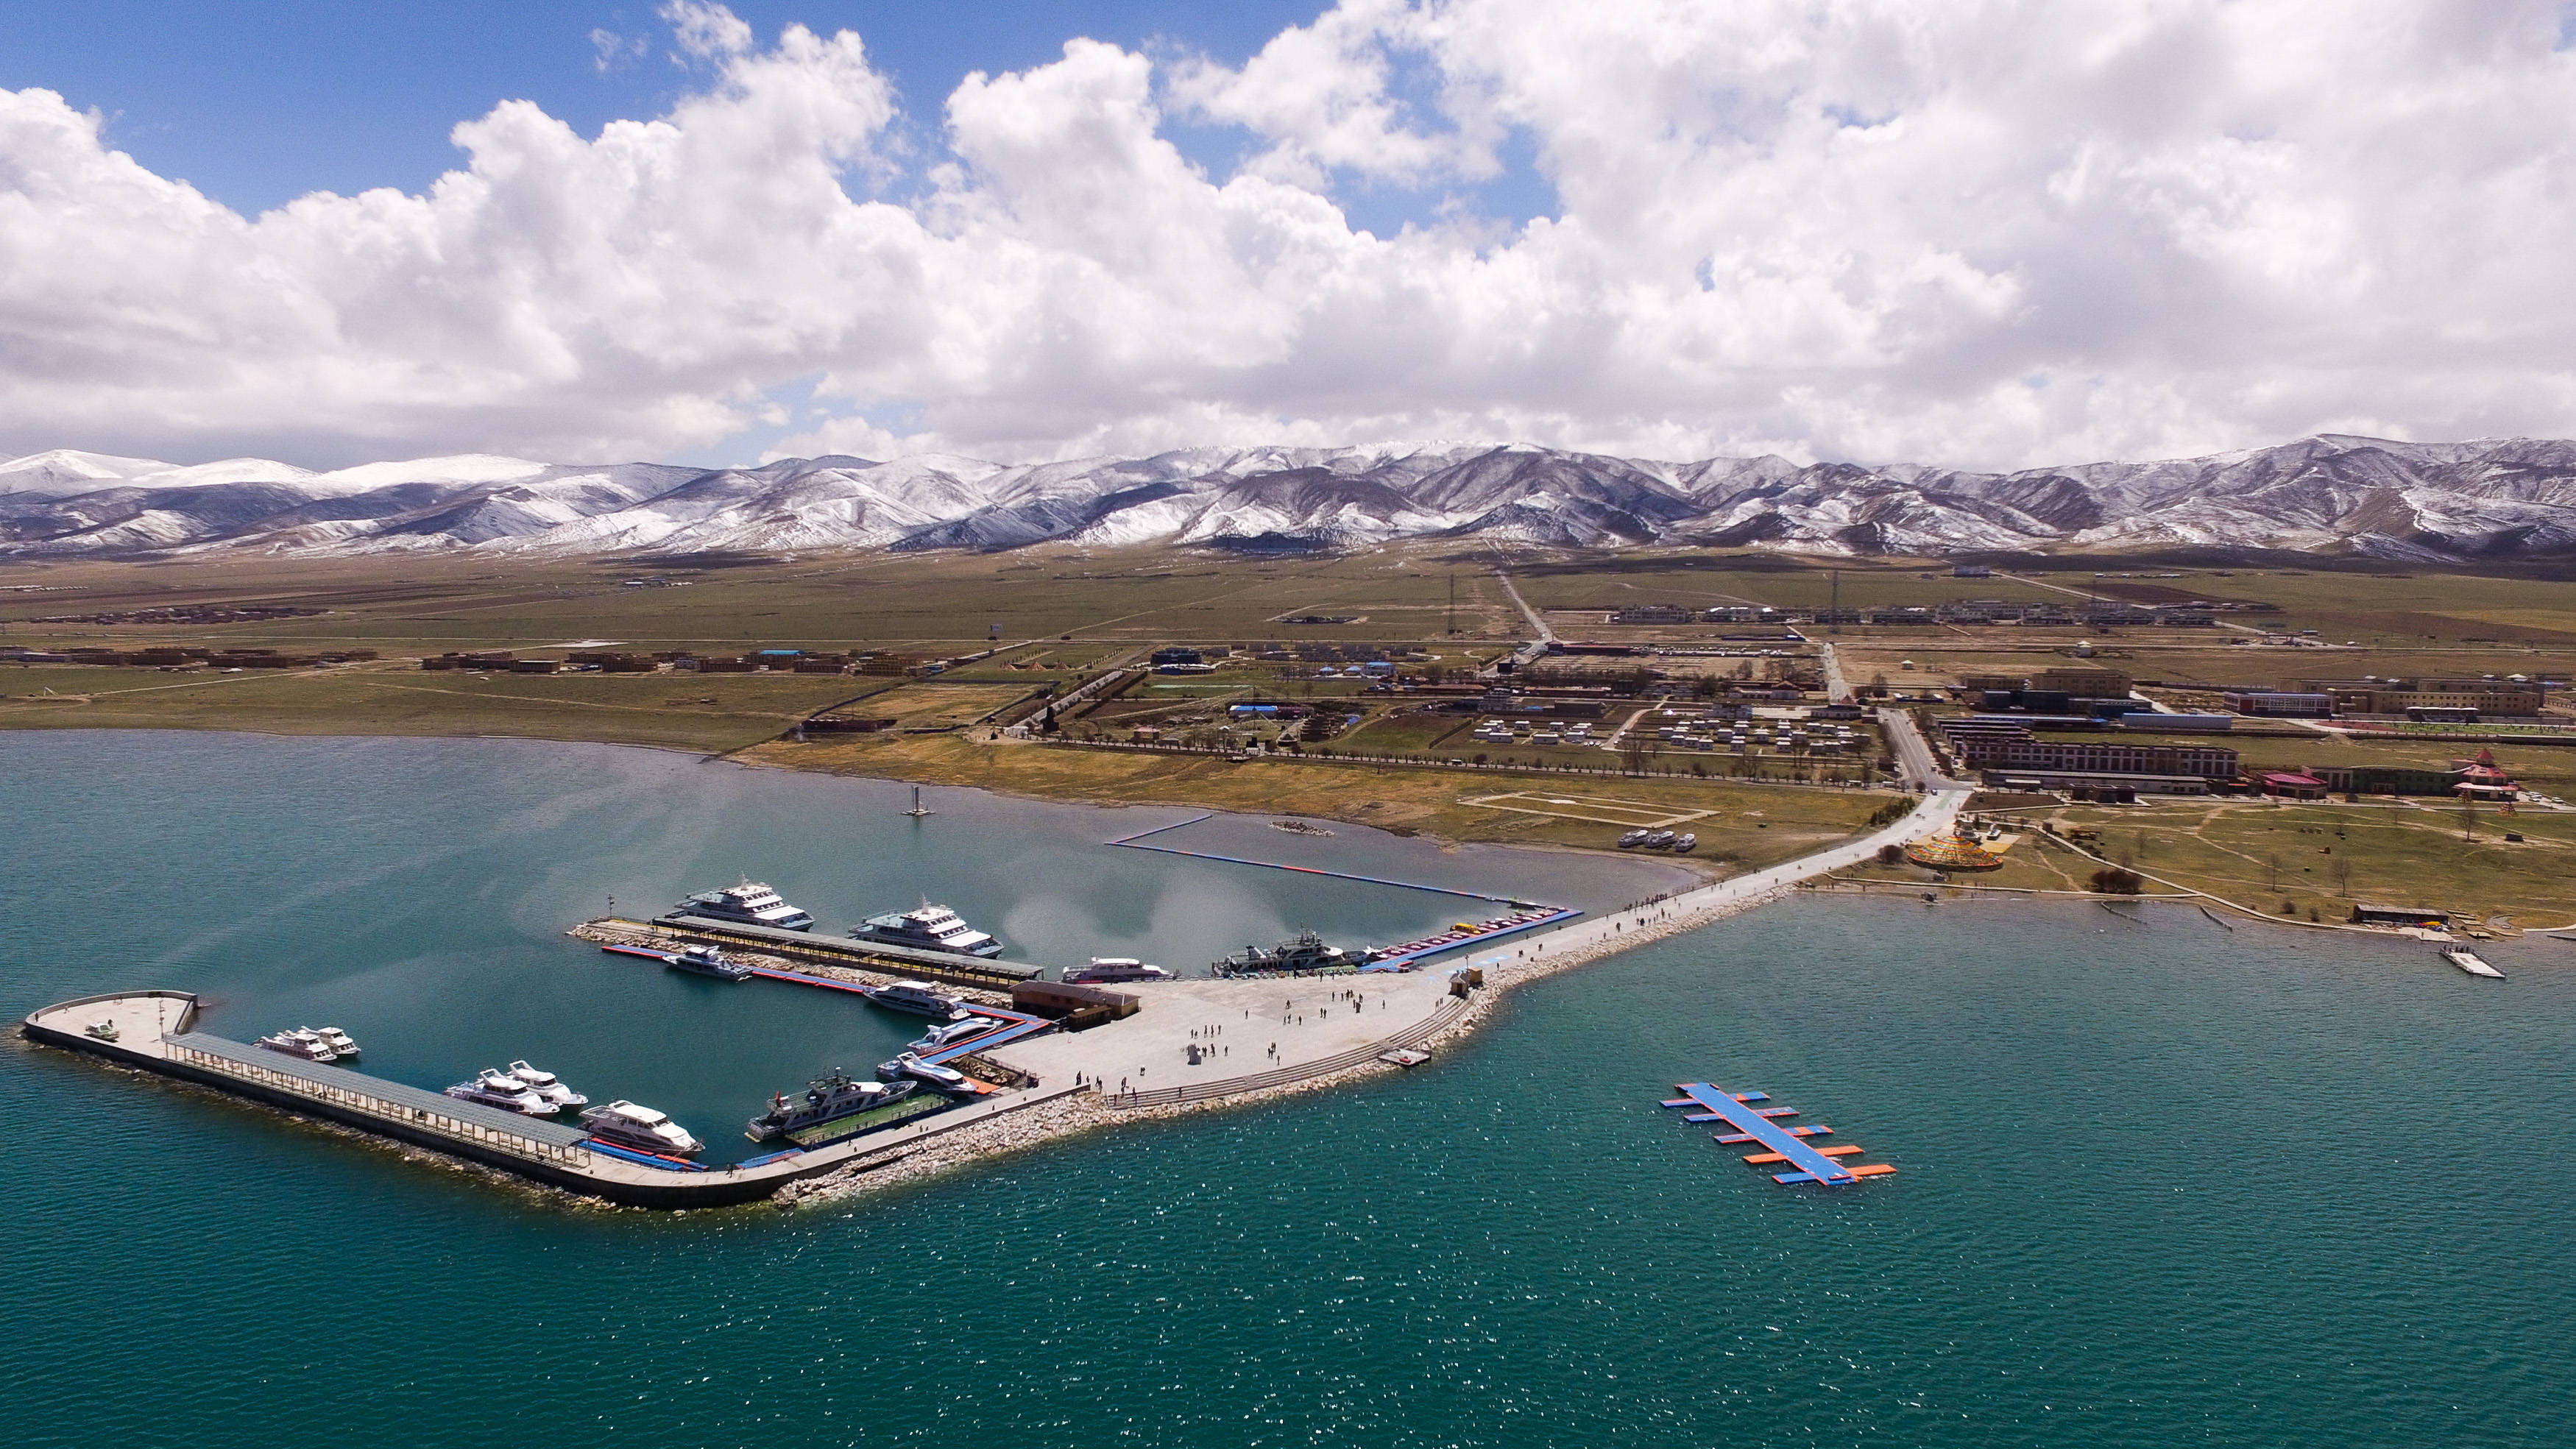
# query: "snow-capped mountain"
[[2328, 494]]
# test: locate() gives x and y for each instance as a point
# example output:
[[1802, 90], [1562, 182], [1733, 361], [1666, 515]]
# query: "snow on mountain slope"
[[2328, 493]]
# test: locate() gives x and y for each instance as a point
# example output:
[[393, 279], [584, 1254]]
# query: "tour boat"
[[944, 1079], [625, 1124], [500, 1089], [749, 902], [928, 928], [919, 998], [1115, 968], [708, 961], [954, 1032], [549, 1086], [827, 1099], [302, 1044]]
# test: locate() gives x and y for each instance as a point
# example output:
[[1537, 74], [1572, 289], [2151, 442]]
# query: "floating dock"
[[1786, 1145], [2471, 962], [1464, 935], [155, 1031], [1527, 915], [1129, 842]]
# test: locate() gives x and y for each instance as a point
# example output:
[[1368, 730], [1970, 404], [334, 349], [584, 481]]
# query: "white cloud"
[[1983, 234], [709, 32], [612, 51]]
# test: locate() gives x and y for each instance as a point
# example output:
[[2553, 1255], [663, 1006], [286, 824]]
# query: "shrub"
[[2117, 882], [1891, 855]]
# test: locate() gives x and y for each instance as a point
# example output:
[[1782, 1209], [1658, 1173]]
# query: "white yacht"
[[919, 998], [549, 1086], [1114, 968], [929, 928], [300, 1044], [628, 1125], [337, 1040], [500, 1089], [953, 1033], [750, 902], [938, 1079]]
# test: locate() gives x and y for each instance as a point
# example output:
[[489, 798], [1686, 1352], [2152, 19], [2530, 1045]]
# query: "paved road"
[[1535, 650], [1915, 763]]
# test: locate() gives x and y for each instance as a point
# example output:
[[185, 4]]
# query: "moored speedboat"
[[625, 1124], [928, 928], [750, 902], [918, 998], [500, 1089], [549, 1086], [1103, 969], [939, 1037], [337, 1040], [939, 1079], [300, 1043]]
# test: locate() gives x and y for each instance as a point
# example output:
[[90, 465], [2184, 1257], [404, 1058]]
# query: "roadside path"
[[1934, 813]]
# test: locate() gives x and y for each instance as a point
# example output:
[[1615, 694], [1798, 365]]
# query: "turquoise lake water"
[[2160, 1183]]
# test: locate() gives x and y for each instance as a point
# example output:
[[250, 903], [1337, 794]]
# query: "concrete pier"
[[155, 1031], [1314, 1022]]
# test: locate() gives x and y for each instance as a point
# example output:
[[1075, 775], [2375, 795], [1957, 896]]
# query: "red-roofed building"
[[2291, 785]]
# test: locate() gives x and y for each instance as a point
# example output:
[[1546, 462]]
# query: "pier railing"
[[358, 1099], [1439, 1021]]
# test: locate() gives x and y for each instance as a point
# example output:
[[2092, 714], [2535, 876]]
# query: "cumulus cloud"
[[1983, 234]]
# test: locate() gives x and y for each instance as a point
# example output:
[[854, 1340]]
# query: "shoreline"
[[1674, 912], [1577, 944]]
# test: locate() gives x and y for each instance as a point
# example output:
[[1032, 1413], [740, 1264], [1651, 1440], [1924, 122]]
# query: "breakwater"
[[155, 1032]]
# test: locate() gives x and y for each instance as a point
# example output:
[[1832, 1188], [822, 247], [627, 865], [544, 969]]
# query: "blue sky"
[[258, 103]]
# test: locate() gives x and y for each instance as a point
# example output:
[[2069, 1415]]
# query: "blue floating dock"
[[1755, 1124]]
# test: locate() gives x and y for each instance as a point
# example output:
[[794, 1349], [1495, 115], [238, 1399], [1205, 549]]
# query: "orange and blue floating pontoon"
[[1785, 1145]]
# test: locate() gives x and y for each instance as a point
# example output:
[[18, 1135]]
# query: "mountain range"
[[2325, 495]]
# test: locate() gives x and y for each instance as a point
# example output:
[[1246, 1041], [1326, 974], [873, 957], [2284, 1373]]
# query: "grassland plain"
[[2304, 862], [1069, 612], [1744, 826]]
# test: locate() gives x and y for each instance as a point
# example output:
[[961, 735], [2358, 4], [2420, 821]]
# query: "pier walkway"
[[155, 1031]]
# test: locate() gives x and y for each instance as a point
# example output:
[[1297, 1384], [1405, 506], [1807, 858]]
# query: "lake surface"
[[2160, 1183]]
